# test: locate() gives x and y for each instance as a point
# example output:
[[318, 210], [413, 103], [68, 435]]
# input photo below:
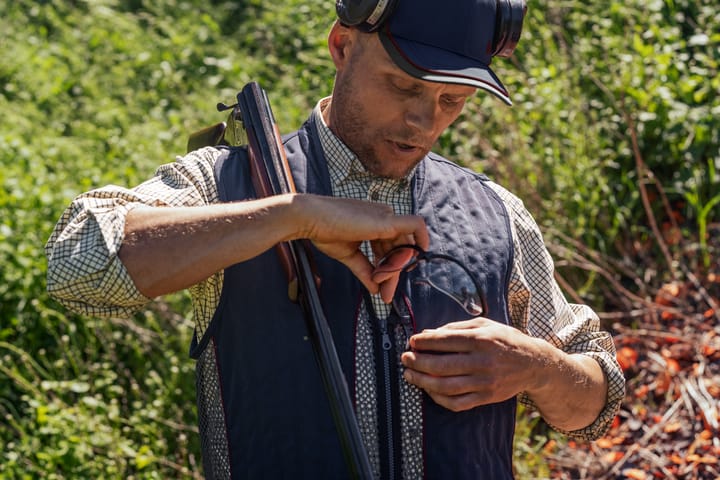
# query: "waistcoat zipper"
[[387, 345], [389, 398]]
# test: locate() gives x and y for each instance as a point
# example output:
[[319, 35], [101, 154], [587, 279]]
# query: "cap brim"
[[438, 65]]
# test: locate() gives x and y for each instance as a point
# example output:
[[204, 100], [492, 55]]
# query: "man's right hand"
[[337, 227], [166, 249]]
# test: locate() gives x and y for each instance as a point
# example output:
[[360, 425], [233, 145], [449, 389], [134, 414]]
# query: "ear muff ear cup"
[[508, 26], [366, 15], [370, 15]]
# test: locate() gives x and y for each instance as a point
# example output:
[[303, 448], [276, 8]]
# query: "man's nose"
[[422, 115]]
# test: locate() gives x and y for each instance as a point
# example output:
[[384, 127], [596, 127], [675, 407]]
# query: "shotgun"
[[251, 122]]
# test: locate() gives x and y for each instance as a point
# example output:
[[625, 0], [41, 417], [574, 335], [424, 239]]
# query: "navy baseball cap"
[[449, 41]]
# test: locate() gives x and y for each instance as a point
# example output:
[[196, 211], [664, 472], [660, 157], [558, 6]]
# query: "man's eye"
[[453, 102], [406, 89]]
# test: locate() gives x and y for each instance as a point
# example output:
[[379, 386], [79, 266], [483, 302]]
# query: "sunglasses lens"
[[453, 280], [439, 271]]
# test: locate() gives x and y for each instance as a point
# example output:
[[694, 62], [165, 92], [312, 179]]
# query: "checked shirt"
[[86, 275]]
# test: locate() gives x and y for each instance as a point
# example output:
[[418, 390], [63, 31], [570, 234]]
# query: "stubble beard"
[[352, 125]]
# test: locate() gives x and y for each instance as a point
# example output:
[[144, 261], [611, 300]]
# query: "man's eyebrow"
[[407, 83]]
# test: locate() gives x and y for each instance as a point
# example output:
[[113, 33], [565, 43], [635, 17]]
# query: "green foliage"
[[91, 94], [531, 438], [101, 91], [588, 80]]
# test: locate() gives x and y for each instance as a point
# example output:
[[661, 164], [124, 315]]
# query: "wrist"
[[290, 214], [296, 214], [547, 363], [304, 212]]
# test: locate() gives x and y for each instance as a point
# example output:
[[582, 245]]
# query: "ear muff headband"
[[367, 15], [370, 15]]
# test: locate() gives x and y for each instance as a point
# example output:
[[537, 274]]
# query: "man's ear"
[[340, 40]]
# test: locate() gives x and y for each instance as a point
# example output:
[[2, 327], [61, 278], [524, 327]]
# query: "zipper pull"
[[405, 324], [386, 342]]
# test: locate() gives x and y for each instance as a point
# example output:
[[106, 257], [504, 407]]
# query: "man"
[[444, 407]]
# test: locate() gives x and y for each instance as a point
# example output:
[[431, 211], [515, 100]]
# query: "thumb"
[[387, 282], [361, 267]]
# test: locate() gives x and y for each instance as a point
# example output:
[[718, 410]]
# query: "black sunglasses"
[[442, 272]]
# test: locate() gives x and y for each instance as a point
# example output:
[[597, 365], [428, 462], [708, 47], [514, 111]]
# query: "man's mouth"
[[407, 147]]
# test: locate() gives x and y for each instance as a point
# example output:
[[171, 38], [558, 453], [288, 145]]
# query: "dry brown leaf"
[[627, 358], [635, 474], [677, 459], [668, 293], [672, 427], [604, 443], [613, 457], [706, 459], [550, 447]]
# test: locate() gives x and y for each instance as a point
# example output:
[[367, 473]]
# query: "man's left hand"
[[465, 364], [476, 362]]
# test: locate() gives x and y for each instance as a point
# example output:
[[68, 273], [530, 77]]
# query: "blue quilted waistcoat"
[[262, 407]]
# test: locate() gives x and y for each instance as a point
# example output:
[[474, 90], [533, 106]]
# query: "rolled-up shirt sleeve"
[[84, 271], [539, 308]]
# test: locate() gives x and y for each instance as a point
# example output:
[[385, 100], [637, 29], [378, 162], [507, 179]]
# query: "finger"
[[361, 267], [384, 275], [421, 235], [459, 403], [444, 340], [443, 365], [387, 273], [388, 287], [395, 261], [381, 247], [446, 386], [461, 336], [409, 229], [476, 322]]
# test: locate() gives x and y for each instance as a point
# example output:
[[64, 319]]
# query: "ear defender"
[[508, 26], [366, 15], [370, 15]]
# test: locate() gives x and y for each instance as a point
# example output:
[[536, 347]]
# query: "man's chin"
[[392, 173], [390, 168]]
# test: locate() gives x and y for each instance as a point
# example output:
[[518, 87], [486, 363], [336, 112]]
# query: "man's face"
[[389, 119]]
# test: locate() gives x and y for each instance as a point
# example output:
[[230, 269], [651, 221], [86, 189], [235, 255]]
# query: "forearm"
[[570, 389], [167, 249]]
